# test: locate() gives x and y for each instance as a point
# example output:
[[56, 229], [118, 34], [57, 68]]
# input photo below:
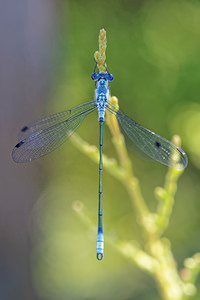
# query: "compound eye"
[[94, 76], [110, 77]]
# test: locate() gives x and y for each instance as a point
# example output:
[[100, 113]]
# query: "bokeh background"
[[46, 60]]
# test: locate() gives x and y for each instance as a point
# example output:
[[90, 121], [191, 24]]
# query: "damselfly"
[[43, 136]]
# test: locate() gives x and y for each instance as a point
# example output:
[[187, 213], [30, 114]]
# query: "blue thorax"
[[102, 91]]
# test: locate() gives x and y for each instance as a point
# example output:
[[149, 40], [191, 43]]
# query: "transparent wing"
[[44, 136], [152, 144], [49, 121]]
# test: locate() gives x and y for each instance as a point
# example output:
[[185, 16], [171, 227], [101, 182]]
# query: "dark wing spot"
[[19, 144], [157, 144], [25, 128]]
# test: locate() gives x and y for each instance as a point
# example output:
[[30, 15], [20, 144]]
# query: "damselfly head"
[[102, 75]]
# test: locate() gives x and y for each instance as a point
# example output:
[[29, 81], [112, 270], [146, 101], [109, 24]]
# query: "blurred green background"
[[47, 58]]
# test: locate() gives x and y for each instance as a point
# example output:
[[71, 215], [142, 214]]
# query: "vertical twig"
[[158, 257]]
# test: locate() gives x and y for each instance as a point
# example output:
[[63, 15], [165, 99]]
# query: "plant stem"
[[158, 259]]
